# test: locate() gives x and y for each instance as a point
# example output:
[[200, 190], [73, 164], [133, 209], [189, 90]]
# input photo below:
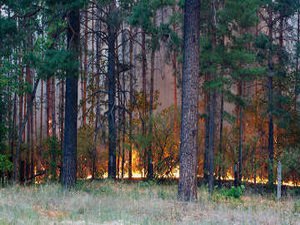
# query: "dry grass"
[[117, 203]]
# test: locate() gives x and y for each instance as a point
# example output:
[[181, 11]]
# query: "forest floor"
[[114, 203]]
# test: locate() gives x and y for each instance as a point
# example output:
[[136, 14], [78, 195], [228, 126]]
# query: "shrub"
[[233, 192]]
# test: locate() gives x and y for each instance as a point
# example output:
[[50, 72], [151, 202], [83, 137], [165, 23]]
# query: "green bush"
[[234, 192], [5, 164]]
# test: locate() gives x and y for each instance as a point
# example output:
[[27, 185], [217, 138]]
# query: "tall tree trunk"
[[39, 154], [29, 123], [53, 147], [69, 167], [297, 79], [123, 107], [85, 65], [112, 35], [221, 154], [18, 169], [151, 102], [212, 103], [119, 104], [241, 144], [206, 140], [270, 102], [144, 93], [187, 187], [98, 109], [174, 62], [131, 104]]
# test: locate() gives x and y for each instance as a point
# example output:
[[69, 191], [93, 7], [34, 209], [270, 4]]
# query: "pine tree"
[[187, 187]]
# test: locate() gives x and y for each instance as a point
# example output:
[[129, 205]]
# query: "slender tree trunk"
[[212, 105], [22, 126], [151, 102], [123, 107], [221, 170], [241, 144], [53, 133], [112, 35], [20, 139], [119, 102], [270, 102], [211, 142], [174, 62], [85, 64], [131, 104], [206, 141], [98, 110], [297, 79], [29, 123], [144, 92], [69, 167], [39, 154], [187, 187]]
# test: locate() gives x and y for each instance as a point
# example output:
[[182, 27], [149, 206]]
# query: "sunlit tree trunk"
[[187, 187]]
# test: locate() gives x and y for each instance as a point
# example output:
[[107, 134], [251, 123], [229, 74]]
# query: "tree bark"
[[270, 102], [69, 168], [131, 104], [112, 35], [187, 187]]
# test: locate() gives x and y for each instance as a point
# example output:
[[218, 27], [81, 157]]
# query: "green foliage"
[[233, 192], [5, 164], [290, 159]]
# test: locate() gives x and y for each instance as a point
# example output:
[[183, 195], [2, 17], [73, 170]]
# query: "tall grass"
[[109, 202]]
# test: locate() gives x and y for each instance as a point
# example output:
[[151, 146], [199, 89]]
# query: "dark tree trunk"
[[151, 102], [22, 125], [206, 140], [98, 109], [187, 187], [53, 133], [123, 107], [85, 68], [144, 92], [131, 104], [212, 103], [270, 102], [241, 144], [211, 138], [29, 123], [221, 154], [297, 80], [69, 167], [112, 131]]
